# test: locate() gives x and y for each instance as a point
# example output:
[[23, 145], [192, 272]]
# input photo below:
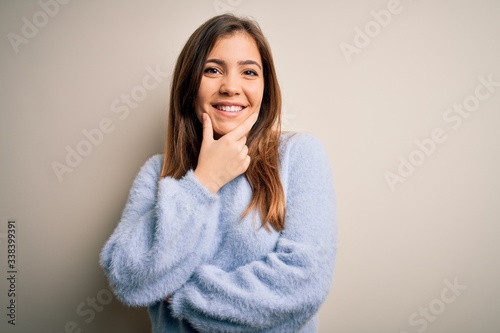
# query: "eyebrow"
[[241, 62]]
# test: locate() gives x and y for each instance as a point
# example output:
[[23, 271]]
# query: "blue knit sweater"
[[224, 274]]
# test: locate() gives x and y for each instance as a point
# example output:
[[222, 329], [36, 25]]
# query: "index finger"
[[208, 132], [242, 129]]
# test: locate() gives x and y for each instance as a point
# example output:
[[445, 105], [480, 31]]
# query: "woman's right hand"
[[222, 160]]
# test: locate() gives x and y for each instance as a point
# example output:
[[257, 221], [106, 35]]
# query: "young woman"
[[233, 228]]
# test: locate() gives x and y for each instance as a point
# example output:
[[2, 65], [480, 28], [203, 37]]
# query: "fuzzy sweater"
[[224, 273]]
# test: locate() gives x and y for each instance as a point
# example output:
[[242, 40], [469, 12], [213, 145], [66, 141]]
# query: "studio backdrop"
[[404, 95]]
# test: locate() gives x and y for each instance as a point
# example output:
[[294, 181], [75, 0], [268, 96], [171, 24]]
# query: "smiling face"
[[232, 84]]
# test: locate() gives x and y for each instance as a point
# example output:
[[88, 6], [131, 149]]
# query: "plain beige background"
[[374, 80]]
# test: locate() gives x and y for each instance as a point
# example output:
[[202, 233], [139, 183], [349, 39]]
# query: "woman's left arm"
[[285, 289]]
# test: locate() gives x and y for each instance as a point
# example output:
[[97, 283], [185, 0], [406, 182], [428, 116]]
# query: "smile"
[[229, 108]]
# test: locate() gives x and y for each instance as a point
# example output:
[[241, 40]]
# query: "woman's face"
[[232, 84]]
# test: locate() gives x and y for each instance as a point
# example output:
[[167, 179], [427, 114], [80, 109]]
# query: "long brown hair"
[[184, 131]]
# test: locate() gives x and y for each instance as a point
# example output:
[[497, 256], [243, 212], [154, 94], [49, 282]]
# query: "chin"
[[223, 130]]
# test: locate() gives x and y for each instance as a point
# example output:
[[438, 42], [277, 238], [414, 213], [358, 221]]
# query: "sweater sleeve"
[[281, 292], [167, 229]]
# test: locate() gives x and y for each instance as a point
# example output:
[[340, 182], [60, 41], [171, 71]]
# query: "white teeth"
[[227, 108]]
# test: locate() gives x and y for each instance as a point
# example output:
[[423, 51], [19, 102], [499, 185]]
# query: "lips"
[[229, 108]]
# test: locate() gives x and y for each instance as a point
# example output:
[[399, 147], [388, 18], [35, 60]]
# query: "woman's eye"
[[211, 70], [250, 72]]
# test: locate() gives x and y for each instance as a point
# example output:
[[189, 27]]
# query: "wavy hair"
[[185, 132]]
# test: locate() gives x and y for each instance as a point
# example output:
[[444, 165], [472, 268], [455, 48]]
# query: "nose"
[[229, 85]]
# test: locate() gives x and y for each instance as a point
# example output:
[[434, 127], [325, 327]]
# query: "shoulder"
[[150, 170], [301, 146], [303, 157], [152, 165]]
